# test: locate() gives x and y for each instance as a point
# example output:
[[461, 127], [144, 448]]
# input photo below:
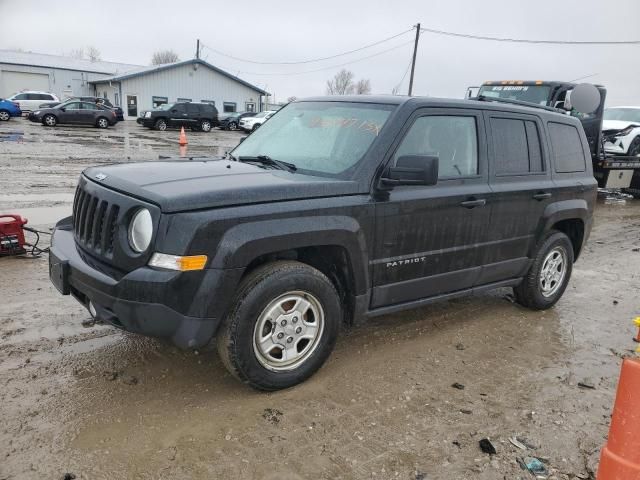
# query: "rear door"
[[431, 240], [522, 188], [193, 115]]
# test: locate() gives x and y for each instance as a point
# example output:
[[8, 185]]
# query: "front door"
[[178, 115], [132, 106], [72, 113], [431, 240]]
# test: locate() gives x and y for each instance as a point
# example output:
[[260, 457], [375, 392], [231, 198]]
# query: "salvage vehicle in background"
[[337, 208], [9, 109], [74, 112], [197, 116], [249, 124], [231, 121], [29, 101], [585, 102], [621, 129], [97, 100]]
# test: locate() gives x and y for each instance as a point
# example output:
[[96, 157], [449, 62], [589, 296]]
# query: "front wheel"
[[255, 127], [50, 120], [4, 115], [282, 326], [232, 126], [161, 125], [549, 273], [634, 148]]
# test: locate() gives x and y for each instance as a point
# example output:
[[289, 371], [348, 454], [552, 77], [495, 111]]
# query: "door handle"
[[480, 202], [542, 196]]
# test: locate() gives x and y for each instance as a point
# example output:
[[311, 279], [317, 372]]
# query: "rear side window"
[[516, 145], [453, 139], [567, 148], [193, 109]]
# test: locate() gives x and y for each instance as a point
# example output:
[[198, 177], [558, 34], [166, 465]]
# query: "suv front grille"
[[94, 222]]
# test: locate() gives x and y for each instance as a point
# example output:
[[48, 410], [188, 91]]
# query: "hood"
[[617, 124], [197, 184]]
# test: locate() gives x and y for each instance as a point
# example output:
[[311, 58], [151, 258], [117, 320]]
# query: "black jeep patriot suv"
[[337, 208], [197, 116]]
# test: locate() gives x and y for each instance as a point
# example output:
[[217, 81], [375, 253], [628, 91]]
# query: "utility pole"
[[413, 62], [198, 49]]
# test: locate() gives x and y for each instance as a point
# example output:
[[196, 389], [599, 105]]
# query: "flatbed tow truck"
[[585, 102]]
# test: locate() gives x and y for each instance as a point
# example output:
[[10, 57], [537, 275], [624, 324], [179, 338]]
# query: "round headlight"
[[140, 230]]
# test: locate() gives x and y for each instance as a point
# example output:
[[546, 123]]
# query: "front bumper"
[[147, 122], [142, 301]]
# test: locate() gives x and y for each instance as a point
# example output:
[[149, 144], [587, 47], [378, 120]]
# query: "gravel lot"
[[103, 404]]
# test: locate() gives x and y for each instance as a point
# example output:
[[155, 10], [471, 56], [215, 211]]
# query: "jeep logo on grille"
[[100, 176]]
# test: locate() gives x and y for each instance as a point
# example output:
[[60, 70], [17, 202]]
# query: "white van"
[[31, 100]]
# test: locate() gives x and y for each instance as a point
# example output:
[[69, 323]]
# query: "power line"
[[328, 67], [397, 87], [309, 60], [521, 40]]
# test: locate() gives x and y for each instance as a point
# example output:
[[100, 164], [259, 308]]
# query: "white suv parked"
[[249, 124], [621, 129], [31, 100]]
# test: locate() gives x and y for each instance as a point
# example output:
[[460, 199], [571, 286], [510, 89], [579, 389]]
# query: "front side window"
[[516, 145], [72, 106], [326, 138], [567, 148], [20, 96], [453, 139]]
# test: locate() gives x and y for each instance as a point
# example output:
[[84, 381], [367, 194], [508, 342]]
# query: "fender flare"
[[565, 210], [245, 242]]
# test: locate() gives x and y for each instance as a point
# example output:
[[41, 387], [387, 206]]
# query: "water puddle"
[[12, 137]]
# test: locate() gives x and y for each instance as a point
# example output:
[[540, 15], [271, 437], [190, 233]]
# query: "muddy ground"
[[102, 404]]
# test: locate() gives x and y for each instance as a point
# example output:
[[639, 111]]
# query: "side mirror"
[[412, 170], [63, 109]]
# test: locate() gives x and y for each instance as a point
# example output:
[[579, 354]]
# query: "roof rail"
[[483, 98]]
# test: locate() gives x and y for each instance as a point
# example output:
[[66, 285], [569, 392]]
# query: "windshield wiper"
[[230, 155], [267, 160]]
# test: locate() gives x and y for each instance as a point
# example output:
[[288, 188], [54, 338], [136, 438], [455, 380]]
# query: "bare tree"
[[362, 87], [93, 54], [341, 83], [164, 56], [77, 53]]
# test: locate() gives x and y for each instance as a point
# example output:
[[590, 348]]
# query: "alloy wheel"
[[553, 271]]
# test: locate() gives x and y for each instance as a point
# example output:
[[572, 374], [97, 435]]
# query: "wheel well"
[[332, 260], [574, 229]]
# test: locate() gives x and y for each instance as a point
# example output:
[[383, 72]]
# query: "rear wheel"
[[549, 274], [282, 326], [4, 115], [50, 120], [102, 123], [160, 124]]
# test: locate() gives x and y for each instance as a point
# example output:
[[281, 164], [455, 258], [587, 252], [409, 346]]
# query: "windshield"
[[327, 138], [624, 114], [538, 94]]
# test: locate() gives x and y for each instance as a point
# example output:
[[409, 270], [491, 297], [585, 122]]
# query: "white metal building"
[[191, 80], [64, 76]]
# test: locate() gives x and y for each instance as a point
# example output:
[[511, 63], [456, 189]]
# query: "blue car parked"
[[9, 109]]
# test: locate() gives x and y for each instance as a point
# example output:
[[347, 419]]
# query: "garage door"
[[13, 82]]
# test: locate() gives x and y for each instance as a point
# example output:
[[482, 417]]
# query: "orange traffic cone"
[[183, 137], [620, 457]]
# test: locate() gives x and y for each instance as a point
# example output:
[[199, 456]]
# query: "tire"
[[291, 285], [102, 122], [160, 124], [205, 125], [49, 120], [255, 127], [634, 148], [4, 115], [232, 126], [544, 284]]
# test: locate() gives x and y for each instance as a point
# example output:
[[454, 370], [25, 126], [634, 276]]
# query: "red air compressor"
[[12, 235]]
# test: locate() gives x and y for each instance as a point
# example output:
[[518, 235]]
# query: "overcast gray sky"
[[130, 31]]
